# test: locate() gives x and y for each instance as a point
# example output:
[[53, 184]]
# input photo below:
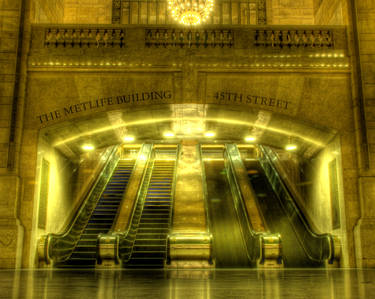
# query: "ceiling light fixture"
[[88, 147], [168, 134], [128, 138], [250, 138], [290, 147], [190, 12], [209, 134]]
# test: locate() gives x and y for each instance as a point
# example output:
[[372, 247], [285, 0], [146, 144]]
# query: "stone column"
[[363, 25], [14, 29]]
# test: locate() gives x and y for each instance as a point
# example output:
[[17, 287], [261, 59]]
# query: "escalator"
[[301, 246], [101, 220], [147, 241], [229, 245]]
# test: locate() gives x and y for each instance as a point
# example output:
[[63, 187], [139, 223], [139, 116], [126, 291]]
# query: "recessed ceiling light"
[[168, 134], [250, 138], [209, 134], [88, 147], [128, 138], [290, 147]]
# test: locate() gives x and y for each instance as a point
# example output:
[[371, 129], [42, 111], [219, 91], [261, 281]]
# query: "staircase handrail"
[[58, 247]]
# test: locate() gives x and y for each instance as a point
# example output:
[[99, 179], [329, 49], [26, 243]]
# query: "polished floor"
[[184, 284]]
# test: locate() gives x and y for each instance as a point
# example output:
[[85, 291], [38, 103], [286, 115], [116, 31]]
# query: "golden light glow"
[[290, 147], [250, 138], [104, 129], [168, 134], [190, 12], [209, 134], [88, 147], [129, 138]]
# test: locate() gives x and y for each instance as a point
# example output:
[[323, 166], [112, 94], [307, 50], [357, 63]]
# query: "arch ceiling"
[[187, 121]]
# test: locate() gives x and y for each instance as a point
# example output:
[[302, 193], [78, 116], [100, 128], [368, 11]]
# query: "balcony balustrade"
[[246, 46]]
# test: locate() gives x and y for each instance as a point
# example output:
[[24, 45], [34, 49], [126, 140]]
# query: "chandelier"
[[190, 12]]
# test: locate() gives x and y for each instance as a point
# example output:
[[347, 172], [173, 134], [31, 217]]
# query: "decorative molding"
[[6, 239], [261, 12], [116, 11]]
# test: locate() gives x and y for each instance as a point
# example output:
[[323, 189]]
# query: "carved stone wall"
[[331, 12], [87, 11], [291, 12], [51, 11]]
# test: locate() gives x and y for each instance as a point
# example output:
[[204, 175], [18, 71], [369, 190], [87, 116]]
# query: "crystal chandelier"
[[190, 12]]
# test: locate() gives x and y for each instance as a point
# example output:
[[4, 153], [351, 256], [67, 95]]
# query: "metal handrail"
[[130, 178], [253, 244], [126, 237], [178, 153], [61, 246], [311, 242], [205, 192], [171, 214]]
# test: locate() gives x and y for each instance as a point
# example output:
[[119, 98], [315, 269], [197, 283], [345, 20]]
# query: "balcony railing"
[[281, 37], [84, 37], [221, 46]]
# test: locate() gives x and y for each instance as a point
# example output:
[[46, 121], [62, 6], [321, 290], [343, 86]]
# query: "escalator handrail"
[[148, 167], [256, 236], [177, 158], [205, 192], [144, 186], [109, 166], [272, 156], [301, 217], [129, 179]]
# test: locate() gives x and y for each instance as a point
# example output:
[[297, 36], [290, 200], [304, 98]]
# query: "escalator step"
[[99, 225], [98, 219], [150, 248], [105, 213], [151, 236], [83, 254], [158, 203], [156, 208], [141, 242], [148, 254], [86, 242], [154, 220], [145, 261], [80, 261], [96, 231], [156, 214], [106, 206], [83, 247], [153, 225]]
